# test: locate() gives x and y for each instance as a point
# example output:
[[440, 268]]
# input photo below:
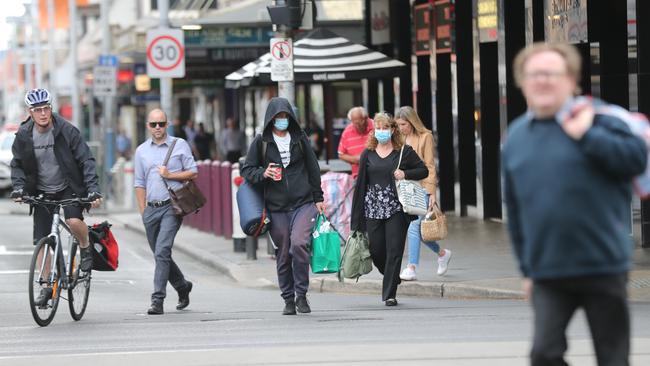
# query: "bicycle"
[[49, 263]]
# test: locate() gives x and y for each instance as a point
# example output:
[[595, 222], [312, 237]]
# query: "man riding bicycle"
[[51, 158]]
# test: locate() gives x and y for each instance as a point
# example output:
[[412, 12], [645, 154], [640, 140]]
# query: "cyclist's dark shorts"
[[43, 216]]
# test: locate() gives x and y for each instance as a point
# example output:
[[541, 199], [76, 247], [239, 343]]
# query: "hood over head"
[[277, 105]]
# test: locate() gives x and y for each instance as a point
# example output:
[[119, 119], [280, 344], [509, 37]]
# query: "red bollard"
[[206, 211], [197, 218], [226, 199], [215, 189]]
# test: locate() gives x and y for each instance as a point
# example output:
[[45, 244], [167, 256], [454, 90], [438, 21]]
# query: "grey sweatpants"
[[291, 234]]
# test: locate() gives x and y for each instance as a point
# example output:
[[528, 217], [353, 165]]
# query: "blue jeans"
[[414, 239]]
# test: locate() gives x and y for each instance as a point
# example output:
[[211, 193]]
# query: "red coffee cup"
[[278, 172]]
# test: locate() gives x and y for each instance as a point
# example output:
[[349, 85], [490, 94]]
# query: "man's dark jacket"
[[569, 200], [300, 182], [72, 154]]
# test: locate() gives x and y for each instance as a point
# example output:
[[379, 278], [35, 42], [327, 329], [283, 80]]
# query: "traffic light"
[[288, 12]]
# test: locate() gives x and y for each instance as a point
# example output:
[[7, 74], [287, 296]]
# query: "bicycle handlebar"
[[39, 200]]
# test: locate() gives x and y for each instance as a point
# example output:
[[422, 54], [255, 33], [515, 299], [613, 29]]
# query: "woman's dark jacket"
[[413, 167], [72, 154], [300, 182]]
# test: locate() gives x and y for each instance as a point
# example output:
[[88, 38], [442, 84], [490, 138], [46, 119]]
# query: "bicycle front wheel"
[[79, 287], [40, 281]]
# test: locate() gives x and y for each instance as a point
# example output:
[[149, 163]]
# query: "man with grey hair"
[[354, 137], [154, 203], [568, 169]]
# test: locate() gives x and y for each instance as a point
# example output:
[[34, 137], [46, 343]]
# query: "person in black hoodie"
[[375, 206], [289, 173]]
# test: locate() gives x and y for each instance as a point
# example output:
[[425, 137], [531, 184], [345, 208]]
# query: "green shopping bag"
[[325, 247]]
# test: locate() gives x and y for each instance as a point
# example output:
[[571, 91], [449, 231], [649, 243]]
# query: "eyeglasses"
[[545, 75], [41, 110], [160, 124]]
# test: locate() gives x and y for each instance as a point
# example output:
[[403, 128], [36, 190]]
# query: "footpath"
[[482, 266]]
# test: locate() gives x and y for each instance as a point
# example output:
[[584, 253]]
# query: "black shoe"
[[155, 309], [289, 307], [302, 305], [391, 302], [86, 259], [43, 297], [184, 297]]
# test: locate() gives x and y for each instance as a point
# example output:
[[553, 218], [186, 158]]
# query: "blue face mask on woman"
[[281, 123], [383, 136]]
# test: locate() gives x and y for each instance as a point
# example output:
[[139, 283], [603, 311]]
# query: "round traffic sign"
[[165, 52], [281, 50]]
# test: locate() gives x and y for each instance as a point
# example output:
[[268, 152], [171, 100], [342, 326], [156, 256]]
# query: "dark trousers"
[[604, 299], [161, 225], [387, 238], [291, 234]]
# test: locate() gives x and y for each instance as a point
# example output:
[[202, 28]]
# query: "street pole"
[[51, 58], [107, 123], [74, 85], [165, 83], [286, 89], [36, 39]]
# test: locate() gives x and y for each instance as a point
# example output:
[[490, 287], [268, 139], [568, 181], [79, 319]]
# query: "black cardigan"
[[413, 167]]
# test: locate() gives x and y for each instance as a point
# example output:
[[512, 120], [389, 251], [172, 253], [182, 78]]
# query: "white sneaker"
[[443, 262], [408, 274]]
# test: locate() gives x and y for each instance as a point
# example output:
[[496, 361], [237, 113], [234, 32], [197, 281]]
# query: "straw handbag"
[[434, 225]]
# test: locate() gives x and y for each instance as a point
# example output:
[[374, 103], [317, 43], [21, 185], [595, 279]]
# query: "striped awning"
[[322, 55]]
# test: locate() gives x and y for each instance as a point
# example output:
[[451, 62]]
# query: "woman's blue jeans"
[[414, 239]]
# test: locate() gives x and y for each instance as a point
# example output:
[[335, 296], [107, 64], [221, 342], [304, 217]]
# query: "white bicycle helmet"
[[36, 97]]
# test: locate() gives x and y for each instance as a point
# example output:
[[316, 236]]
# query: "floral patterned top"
[[381, 199]]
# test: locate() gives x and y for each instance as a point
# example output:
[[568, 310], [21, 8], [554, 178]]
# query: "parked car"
[[6, 140]]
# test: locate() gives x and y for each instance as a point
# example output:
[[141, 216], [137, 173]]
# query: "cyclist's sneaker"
[[43, 297], [86, 260]]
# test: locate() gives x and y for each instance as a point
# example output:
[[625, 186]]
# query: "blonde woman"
[[421, 140], [375, 206]]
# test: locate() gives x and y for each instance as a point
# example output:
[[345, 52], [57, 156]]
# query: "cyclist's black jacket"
[[72, 154]]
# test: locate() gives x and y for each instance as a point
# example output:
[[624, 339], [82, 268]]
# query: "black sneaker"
[[155, 309], [302, 305], [184, 297], [391, 302], [43, 297], [289, 307], [86, 259]]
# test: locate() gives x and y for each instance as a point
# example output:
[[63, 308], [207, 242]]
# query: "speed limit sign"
[[165, 53]]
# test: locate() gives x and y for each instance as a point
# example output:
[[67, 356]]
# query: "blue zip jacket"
[[568, 201]]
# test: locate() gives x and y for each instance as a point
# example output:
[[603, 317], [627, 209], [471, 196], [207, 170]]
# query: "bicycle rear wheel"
[[39, 278], [79, 287]]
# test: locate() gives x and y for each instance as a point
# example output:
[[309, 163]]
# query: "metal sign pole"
[[166, 86]]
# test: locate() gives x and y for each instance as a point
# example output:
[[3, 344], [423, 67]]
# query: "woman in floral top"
[[375, 207]]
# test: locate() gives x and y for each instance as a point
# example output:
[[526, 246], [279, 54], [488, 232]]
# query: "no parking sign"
[[165, 53]]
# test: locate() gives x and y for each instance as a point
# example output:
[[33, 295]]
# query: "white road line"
[[13, 272], [4, 251]]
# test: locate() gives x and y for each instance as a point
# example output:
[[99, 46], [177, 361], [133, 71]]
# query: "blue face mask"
[[281, 123], [383, 136]]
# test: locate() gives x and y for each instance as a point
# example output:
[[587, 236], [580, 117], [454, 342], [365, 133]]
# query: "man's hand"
[[17, 195], [579, 122], [320, 206], [95, 199], [162, 170]]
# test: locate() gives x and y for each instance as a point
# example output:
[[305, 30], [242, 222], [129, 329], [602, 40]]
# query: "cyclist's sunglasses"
[[160, 124], [41, 110]]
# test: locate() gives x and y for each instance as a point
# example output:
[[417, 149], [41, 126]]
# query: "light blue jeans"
[[414, 239]]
